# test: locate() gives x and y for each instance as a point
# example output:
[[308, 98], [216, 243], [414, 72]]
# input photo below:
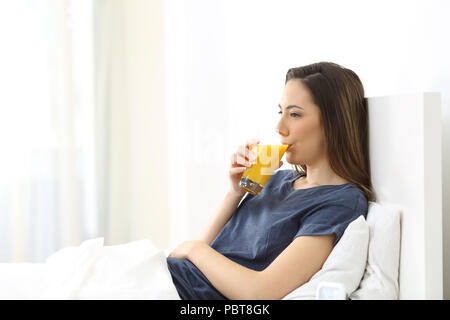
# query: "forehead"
[[295, 92]]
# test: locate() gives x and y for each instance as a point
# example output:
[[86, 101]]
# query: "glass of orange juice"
[[268, 157]]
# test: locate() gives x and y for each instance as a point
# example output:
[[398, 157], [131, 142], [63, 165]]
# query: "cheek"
[[311, 139], [308, 134]]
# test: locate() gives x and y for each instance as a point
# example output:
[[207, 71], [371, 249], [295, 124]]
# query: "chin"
[[290, 158]]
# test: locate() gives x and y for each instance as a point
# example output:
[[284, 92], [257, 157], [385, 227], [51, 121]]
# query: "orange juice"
[[268, 157]]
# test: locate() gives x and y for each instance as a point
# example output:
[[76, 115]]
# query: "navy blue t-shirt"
[[264, 225]]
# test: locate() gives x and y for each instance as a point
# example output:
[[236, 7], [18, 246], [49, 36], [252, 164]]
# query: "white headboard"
[[405, 159]]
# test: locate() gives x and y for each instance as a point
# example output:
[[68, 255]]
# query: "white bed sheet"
[[21, 280], [136, 270]]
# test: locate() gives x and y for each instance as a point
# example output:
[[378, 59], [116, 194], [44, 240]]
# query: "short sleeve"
[[330, 219]]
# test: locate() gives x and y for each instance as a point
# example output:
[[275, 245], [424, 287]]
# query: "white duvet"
[[136, 270]]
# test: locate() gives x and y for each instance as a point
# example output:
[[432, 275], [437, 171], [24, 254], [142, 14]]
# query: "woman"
[[265, 246]]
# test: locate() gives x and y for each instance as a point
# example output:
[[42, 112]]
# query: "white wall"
[[233, 55]]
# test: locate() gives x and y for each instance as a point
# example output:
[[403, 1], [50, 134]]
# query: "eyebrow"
[[291, 106]]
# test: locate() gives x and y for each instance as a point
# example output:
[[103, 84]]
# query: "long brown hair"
[[339, 94]]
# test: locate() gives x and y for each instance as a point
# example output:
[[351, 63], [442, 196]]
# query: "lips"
[[289, 145]]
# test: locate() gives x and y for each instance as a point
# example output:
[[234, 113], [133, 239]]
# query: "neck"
[[320, 173]]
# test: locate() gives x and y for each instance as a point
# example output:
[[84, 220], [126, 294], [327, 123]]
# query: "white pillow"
[[380, 279], [345, 264]]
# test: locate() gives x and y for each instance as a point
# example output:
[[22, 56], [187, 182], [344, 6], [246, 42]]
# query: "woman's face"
[[300, 126]]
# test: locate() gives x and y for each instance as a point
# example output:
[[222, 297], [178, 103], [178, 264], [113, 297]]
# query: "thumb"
[[280, 164]]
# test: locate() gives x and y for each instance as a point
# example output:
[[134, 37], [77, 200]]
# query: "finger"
[[238, 160], [251, 142], [246, 154], [233, 159], [237, 170]]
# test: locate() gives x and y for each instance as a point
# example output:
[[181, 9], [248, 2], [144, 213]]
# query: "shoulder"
[[347, 199], [333, 211]]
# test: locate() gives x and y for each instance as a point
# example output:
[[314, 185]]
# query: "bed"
[[405, 153]]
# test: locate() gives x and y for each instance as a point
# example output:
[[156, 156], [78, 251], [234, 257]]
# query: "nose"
[[281, 131]]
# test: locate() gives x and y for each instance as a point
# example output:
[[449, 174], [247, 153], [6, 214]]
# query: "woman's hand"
[[185, 249], [241, 160]]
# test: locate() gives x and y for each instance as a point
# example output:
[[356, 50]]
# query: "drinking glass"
[[268, 157]]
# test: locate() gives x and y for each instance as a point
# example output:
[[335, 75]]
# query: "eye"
[[292, 114]]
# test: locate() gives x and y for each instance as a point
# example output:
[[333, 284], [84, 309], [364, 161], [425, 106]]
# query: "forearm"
[[220, 217], [228, 277]]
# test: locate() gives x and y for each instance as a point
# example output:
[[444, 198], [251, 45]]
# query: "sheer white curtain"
[[131, 116], [82, 125], [47, 181]]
